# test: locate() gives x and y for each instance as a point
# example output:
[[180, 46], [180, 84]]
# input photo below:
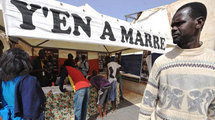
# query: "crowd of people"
[[181, 84], [21, 80], [106, 87]]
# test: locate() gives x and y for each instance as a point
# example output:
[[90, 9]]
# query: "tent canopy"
[[58, 25], [157, 21], [35, 42]]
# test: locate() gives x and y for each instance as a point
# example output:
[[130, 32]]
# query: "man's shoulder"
[[70, 68], [165, 58], [110, 63], [66, 61], [161, 58], [97, 77], [210, 54], [113, 63], [27, 81], [210, 51], [30, 78]]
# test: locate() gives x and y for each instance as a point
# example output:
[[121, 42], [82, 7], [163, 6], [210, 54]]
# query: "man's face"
[[183, 27]]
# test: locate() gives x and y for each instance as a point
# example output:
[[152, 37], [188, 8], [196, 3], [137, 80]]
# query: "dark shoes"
[[122, 99]]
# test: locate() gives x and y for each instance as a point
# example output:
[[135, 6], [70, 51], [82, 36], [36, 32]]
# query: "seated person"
[[103, 86]]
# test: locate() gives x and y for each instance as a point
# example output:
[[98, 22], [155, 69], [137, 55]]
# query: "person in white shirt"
[[112, 68]]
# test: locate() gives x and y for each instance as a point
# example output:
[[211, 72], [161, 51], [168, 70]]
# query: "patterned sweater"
[[181, 86]]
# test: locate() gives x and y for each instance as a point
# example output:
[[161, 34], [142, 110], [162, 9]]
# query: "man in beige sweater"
[[181, 85]]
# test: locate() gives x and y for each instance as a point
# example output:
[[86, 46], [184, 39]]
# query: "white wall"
[[64, 53]]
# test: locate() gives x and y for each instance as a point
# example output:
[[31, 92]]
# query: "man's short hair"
[[70, 55], [83, 57], [41, 51], [197, 9], [107, 59]]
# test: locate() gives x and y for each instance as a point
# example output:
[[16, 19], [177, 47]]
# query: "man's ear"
[[200, 22]]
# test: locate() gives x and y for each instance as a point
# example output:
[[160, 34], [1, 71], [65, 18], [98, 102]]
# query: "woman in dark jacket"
[[20, 93]]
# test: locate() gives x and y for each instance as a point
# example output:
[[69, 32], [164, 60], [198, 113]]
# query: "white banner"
[[47, 19], [0, 4]]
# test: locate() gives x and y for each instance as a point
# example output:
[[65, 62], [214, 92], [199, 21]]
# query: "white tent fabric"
[[157, 21], [100, 25]]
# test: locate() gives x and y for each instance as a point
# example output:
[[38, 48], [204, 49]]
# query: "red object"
[[77, 77], [94, 65]]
